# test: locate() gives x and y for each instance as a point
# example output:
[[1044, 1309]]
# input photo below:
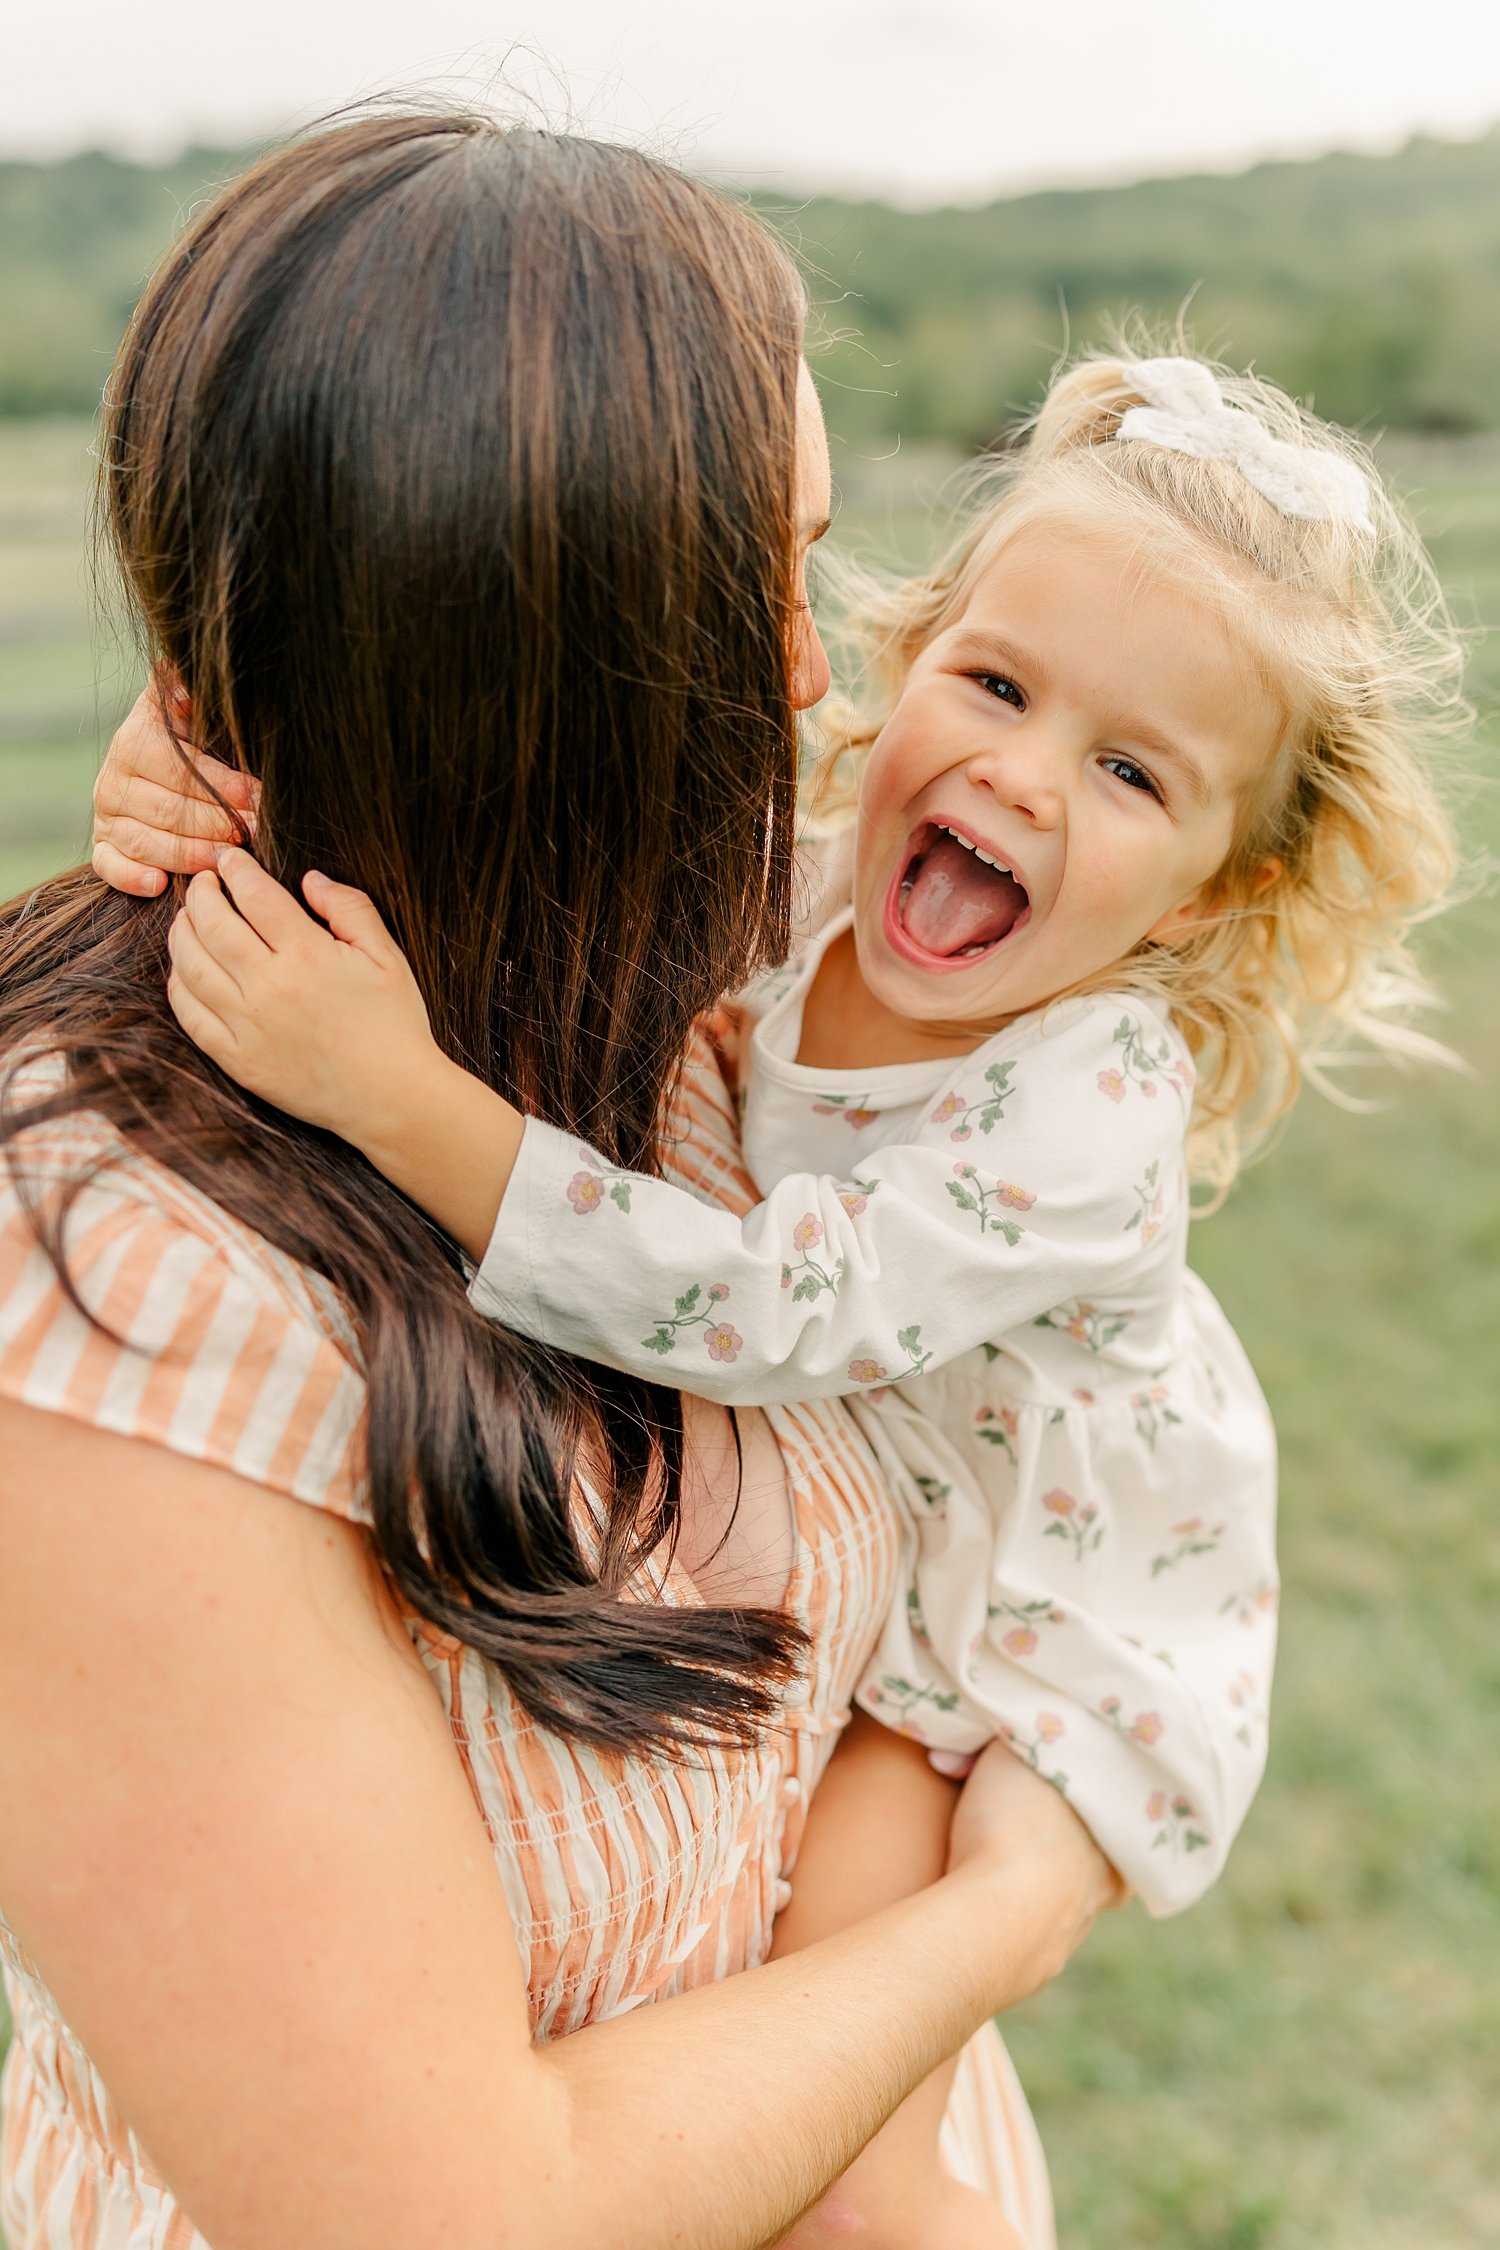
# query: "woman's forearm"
[[286, 1949], [716, 2119]]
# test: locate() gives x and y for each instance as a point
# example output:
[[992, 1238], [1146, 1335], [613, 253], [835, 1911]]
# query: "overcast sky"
[[920, 98]]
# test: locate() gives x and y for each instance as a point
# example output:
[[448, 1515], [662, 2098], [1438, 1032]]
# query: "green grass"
[[1309, 2061]]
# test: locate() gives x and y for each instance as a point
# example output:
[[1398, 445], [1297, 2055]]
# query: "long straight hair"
[[451, 469]]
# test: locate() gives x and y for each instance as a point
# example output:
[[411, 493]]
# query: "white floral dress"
[[987, 1256]]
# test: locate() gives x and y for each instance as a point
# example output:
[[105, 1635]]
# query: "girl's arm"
[[240, 1852], [829, 1286]]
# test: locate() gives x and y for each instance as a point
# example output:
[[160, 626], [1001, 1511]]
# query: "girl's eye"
[[1133, 776], [1003, 689]]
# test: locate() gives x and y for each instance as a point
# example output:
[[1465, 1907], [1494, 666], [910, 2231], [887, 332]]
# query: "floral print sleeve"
[[1031, 1178], [989, 1259]]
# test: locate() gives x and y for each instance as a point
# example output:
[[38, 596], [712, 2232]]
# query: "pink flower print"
[[1079, 1323], [1019, 1641], [1113, 1084], [724, 1342], [1110, 1706], [1084, 1398], [825, 1109], [1148, 1088], [1185, 1075], [1156, 1804], [786, 1277], [1079, 1524], [860, 1117], [1049, 1727], [806, 1234], [585, 1192], [866, 1371], [1015, 1198], [1183, 1807], [949, 1106], [962, 1133], [853, 1204], [1147, 1728], [1185, 1530], [717, 1292]]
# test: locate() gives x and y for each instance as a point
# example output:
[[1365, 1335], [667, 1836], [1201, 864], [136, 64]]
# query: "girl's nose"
[[1025, 775]]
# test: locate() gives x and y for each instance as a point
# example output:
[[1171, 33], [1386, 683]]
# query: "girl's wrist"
[[1023, 1916], [450, 1143]]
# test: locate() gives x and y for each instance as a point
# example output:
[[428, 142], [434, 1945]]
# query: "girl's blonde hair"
[[1301, 961]]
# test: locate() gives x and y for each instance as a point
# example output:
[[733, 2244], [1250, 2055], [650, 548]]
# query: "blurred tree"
[[1369, 284]]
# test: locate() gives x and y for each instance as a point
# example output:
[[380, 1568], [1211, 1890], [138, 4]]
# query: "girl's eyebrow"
[[969, 645]]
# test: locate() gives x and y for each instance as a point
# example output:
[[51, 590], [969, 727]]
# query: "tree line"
[[1369, 285]]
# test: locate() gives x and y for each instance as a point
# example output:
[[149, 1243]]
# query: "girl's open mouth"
[[950, 902]]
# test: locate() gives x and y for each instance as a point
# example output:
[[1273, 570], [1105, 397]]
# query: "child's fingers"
[[351, 914], [202, 1026], [241, 790], [199, 973], [265, 905], [128, 875], [237, 948], [155, 805]]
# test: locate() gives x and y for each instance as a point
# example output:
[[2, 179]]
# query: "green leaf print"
[[697, 1308], [989, 1205], [983, 1115]]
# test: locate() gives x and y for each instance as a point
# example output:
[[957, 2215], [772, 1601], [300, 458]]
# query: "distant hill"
[[1371, 284]]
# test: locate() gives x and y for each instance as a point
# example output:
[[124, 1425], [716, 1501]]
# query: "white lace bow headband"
[[1186, 411]]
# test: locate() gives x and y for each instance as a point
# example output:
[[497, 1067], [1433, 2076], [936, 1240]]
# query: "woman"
[[365, 1724]]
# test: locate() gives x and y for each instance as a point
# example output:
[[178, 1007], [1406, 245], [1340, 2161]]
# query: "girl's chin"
[[910, 987]]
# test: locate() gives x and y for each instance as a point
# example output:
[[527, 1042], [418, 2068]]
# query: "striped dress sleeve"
[[183, 1328]]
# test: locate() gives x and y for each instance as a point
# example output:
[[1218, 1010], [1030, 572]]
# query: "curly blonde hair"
[[1302, 960]]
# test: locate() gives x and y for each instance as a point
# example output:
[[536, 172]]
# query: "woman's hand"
[[329, 1024], [155, 813]]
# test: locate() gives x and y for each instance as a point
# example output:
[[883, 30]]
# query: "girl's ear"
[[1171, 924], [1208, 902]]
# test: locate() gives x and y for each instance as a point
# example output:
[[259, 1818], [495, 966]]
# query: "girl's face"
[[1059, 780]]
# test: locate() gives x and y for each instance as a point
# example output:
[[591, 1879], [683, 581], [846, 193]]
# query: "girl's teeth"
[[989, 861]]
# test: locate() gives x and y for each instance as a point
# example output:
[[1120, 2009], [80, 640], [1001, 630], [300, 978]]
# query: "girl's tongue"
[[952, 900]]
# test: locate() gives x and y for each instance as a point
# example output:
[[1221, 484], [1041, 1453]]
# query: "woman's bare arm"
[[241, 1849]]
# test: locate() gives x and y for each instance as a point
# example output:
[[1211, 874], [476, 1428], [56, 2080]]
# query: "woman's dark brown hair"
[[451, 468]]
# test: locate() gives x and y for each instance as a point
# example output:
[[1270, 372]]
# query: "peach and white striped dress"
[[628, 1880]]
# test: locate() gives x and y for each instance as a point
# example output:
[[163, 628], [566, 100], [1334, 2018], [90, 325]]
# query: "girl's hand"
[[1009, 1819], [153, 813], [329, 1025], [326, 1023]]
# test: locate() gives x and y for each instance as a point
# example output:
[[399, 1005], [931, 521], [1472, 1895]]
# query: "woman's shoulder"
[[130, 1301]]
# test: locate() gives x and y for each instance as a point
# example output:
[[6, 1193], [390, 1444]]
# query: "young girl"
[[1142, 824]]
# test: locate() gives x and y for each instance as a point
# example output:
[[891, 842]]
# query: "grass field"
[[1309, 2061]]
